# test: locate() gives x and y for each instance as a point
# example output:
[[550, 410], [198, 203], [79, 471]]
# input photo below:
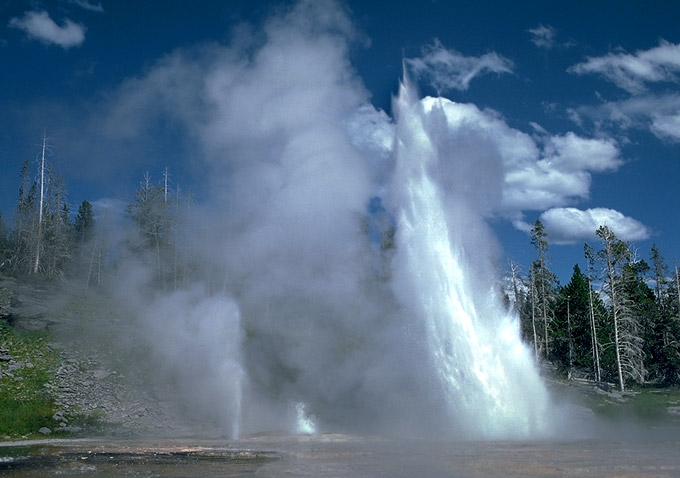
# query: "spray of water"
[[305, 423], [484, 374]]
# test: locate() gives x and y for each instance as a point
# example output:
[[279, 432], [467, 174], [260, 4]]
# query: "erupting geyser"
[[297, 318], [484, 375]]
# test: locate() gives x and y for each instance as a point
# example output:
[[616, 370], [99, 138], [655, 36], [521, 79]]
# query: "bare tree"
[[613, 258], [544, 281], [41, 206]]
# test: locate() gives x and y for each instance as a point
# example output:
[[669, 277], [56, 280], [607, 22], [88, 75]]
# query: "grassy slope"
[[26, 404], [654, 406]]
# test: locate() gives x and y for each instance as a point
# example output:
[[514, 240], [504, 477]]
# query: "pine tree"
[[662, 344], [5, 249], [58, 246], [23, 235], [83, 226], [156, 214], [574, 331]]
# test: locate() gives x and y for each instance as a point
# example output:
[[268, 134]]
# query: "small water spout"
[[305, 423]]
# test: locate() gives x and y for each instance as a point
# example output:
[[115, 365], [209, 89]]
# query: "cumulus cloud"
[[632, 72], [450, 70], [39, 26], [543, 36], [560, 174], [570, 225], [537, 173]]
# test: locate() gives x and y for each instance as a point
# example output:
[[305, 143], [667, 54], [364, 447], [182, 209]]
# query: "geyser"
[[295, 326], [485, 377]]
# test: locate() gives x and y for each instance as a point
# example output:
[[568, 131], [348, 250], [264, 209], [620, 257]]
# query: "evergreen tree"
[[575, 336], [57, 229], [5, 250], [83, 226], [40, 241], [24, 232], [662, 334], [156, 215]]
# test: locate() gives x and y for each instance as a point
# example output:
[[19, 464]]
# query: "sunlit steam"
[[298, 303]]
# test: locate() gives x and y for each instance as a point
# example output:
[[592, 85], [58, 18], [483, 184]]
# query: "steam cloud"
[[298, 310]]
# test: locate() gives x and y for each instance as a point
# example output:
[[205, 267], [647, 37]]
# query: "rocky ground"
[[93, 387], [87, 386]]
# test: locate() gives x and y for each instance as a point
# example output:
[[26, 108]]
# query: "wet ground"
[[340, 456]]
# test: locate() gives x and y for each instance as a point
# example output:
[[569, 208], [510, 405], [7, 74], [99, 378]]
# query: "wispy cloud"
[[570, 225], [543, 36], [450, 70], [658, 114], [87, 5], [632, 72], [666, 126], [39, 26]]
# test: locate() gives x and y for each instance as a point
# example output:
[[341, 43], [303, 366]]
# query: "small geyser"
[[305, 424]]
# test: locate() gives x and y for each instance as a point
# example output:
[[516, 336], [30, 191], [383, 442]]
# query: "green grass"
[[647, 405], [25, 402]]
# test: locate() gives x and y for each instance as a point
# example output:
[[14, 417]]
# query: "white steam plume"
[[292, 308]]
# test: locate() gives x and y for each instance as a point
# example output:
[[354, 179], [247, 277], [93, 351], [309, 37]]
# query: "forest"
[[617, 322]]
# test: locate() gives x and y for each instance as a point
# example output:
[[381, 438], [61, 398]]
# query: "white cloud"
[[632, 72], [543, 36], [536, 173], [87, 5], [449, 70], [570, 225], [666, 126], [39, 25], [656, 113], [558, 174]]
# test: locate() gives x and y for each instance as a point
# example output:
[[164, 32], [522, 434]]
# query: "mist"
[[296, 319]]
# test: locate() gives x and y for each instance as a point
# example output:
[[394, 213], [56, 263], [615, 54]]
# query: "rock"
[[45, 431], [72, 429], [59, 417], [101, 374], [15, 365]]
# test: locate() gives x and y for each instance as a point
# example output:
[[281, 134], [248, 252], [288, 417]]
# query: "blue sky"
[[579, 98]]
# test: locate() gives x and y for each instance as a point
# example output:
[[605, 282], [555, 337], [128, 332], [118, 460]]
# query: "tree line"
[[618, 321], [45, 241]]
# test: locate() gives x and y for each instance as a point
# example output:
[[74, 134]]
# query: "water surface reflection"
[[339, 456]]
